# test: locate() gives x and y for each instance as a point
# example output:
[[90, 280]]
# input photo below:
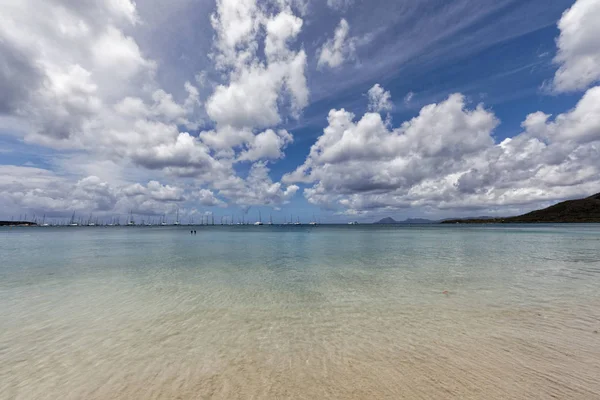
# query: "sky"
[[336, 110]]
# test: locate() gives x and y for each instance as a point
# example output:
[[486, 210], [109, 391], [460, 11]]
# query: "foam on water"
[[288, 312]]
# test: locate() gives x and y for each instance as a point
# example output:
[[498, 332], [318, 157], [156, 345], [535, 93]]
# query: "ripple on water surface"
[[307, 313]]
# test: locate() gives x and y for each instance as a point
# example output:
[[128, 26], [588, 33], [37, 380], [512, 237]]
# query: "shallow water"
[[365, 312]]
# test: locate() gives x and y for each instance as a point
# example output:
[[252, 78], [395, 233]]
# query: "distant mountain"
[[390, 220], [581, 210]]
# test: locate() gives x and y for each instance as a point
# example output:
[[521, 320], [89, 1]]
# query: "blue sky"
[[213, 106]]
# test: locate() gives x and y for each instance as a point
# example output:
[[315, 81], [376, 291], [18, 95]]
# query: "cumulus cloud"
[[155, 191], [446, 157], [91, 85], [186, 152], [252, 98], [267, 145], [76, 80], [207, 198], [338, 49], [578, 54], [257, 88], [256, 189], [37, 191], [379, 99], [41, 191], [74, 77], [580, 125]]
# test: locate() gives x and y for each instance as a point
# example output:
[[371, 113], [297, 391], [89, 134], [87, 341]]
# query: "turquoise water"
[[300, 312]]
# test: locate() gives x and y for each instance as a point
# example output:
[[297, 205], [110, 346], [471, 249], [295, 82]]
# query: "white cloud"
[[578, 47], [251, 99], [89, 77], [119, 56], [125, 9], [337, 49], [187, 156], [339, 5], [155, 191], [76, 76], [257, 88], [446, 157], [76, 79], [379, 99], [256, 189], [207, 198], [280, 30], [580, 125], [40, 191], [236, 24], [267, 145]]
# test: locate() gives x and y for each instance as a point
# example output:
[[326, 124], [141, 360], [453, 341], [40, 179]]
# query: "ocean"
[[300, 312]]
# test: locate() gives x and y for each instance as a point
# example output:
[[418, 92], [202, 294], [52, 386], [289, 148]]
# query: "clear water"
[[365, 312]]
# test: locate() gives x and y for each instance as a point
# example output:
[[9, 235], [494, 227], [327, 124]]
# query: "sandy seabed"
[[330, 313], [438, 352]]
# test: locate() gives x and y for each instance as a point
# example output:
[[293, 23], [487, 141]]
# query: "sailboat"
[[131, 222], [44, 221], [259, 222], [72, 222], [297, 222], [314, 221], [270, 219], [177, 219]]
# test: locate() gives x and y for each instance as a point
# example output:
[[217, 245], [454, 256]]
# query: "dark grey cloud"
[[18, 78]]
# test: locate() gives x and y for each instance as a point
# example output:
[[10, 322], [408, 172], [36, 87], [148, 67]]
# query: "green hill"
[[574, 211]]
